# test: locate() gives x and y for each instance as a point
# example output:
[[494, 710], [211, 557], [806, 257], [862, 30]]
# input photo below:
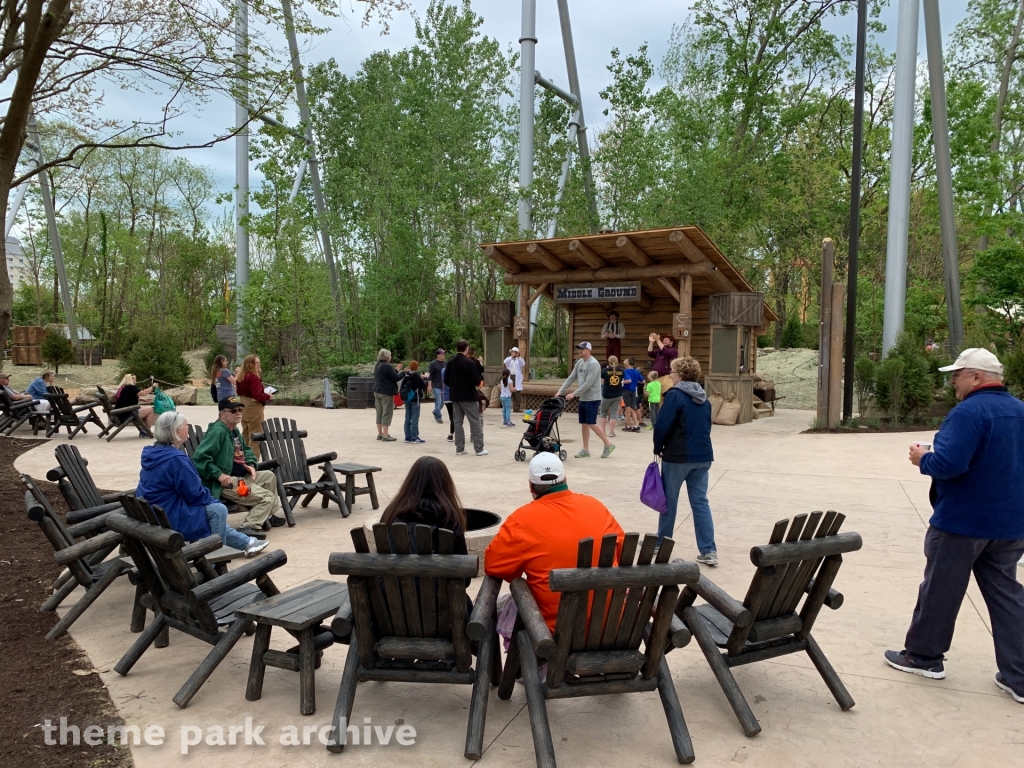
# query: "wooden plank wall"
[[587, 320]]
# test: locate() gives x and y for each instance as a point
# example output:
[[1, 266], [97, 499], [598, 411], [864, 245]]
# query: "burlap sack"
[[729, 413], [716, 406]]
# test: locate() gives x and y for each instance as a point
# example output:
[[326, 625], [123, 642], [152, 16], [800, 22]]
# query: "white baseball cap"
[[977, 359], [584, 345], [546, 469], [514, 349]]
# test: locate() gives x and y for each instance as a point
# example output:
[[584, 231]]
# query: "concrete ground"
[[764, 471]]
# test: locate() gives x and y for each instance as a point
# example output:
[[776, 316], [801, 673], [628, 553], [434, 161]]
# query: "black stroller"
[[542, 434]]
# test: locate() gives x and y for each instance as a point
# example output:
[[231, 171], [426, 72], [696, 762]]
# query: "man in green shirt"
[[223, 458]]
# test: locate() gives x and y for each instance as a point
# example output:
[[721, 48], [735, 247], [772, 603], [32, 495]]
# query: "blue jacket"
[[169, 480], [977, 467], [37, 389], [682, 434]]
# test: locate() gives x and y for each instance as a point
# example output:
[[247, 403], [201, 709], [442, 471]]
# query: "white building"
[[17, 265]]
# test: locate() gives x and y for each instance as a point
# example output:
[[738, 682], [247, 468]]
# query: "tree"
[[998, 279], [56, 350]]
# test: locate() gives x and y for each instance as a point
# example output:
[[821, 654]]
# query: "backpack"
[[406, 390]]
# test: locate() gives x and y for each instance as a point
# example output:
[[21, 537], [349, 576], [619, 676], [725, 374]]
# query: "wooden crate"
[[26, 355], [736, 309], [497, 314], [740, 386]]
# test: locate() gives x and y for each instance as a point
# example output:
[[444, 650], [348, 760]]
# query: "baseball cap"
[[546, 469], [231, 403], [514, 349], [584, 345], [978, 359], [439, 351]]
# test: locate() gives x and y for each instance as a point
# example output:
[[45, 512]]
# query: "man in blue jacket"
[[977, 471], [682, 437]]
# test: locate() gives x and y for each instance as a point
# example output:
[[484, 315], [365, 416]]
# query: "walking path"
[[764, 471]]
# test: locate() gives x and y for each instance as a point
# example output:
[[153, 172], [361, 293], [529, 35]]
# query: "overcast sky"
[[598, 26]]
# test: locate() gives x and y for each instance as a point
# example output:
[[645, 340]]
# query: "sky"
[[598, 26]]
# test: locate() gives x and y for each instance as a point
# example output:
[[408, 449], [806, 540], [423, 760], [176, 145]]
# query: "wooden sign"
[[520, 328], [597, 293], [682, 325]]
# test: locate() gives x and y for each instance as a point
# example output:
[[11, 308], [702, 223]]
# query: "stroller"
[[542, 434]]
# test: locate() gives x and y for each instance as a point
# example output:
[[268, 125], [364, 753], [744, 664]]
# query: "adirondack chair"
[[195, 437], [119, 418], [287, 457], [86, 561], [76, 484], [409, 618], [599, 653], [64, 414], [17, 412], [205, 611], [766, 624]]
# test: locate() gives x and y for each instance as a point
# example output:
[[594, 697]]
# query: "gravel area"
[[795, 373]]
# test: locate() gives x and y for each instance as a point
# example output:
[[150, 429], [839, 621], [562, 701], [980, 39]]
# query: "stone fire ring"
[[482, 527]]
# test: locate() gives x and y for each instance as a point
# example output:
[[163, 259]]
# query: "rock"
[[318, 401], [182, 395], [86, 395]]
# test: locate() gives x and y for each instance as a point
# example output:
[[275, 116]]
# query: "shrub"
[[917, 387], [792, 334], [340, 376], [864, 371], [56, 350], [1013, 372], [890, 387], [216, 348], [156, 355]]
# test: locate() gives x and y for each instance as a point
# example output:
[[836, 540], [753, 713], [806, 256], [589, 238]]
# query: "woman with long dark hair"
[[222, 378], [428, 497]]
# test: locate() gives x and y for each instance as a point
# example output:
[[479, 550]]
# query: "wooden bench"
[[299, 611], [350, 469]]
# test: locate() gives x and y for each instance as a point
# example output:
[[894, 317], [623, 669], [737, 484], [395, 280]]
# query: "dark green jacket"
[[215, 455]]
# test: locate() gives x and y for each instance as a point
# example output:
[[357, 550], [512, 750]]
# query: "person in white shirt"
[[516, 367], [613, 332]]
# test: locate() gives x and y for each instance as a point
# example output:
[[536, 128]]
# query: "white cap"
[[546, 469], [584, 345], [977, 359], [514, 349]]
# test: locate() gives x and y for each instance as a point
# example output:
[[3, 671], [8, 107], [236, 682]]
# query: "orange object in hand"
[[243, 489]]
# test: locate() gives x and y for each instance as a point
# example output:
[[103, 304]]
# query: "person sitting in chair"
[[544, 535], [37, 390], [428, 497], [169, 480], [5, 382]]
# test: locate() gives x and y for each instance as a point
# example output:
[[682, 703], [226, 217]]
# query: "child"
[[611, 393], [653, 397], [506, 398], [414, 387], [630, 379]]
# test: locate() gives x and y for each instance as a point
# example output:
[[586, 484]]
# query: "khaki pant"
[[262, 501], [252, 421]]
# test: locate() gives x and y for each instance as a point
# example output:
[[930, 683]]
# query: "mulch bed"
[[38, 677], [863, 430]]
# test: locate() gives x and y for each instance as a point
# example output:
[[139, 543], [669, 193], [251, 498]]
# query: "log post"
[[522, 328], [684, 318], [835, 349], [824, 327]]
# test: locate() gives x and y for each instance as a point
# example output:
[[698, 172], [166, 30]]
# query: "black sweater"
[[385, 379], [462, 377]]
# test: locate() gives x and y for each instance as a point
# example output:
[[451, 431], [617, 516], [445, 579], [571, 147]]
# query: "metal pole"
[[943, 174], [19, 198], [581, 136], [561, 93], [527, 61], [241, 171], [572, 133], [899, 174], [51, 222], [314, 169], [855, 173]]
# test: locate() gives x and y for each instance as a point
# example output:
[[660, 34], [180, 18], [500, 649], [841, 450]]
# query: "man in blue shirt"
[[38, 390], [977, 471]]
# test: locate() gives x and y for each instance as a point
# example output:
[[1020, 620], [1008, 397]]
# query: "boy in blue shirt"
[[630, 379]]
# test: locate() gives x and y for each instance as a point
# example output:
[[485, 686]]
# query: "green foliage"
[[56, 350], [889, 384], [156, 354], [864, 373], [216, 348], [997, 277], [904, 384], [1013, 372], [792, 335], [340, 376]]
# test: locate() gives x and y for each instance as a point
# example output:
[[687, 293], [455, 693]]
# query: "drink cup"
[[926, 446]]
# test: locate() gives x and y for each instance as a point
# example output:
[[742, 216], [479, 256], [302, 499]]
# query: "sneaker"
[[708, 558], [409, 440], [439, 421], [417, 440], [275, 521], [584, 454], [380, 436], [607, 450], [1001, 684], [904, 662], [460, 453], [650, 427], [252, 533], [255, 546], [388, 439], [451, 439], [482, 452], [144, 434]]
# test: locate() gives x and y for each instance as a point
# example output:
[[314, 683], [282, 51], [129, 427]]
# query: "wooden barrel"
[[360, 392]]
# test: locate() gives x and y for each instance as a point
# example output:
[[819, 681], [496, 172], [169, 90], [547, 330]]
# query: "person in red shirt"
[[251, 392], [545, 534]]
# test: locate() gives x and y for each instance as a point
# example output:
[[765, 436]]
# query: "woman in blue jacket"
[[169, 480], [682, 437]]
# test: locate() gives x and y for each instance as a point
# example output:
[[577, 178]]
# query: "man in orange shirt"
[[545, 533]]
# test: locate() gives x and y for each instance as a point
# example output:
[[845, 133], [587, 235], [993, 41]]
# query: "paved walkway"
[[764, 471]]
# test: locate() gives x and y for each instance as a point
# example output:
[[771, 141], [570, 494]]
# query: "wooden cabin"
[[671, 281]]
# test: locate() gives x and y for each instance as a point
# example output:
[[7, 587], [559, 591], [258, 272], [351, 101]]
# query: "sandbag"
[[729, 413], [716, 406]]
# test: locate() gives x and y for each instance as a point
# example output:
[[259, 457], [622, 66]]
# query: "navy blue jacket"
[[977, 467], [682, 434], [170, 480]]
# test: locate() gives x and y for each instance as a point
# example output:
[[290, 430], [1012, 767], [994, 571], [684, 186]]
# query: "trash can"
[[360, 392]]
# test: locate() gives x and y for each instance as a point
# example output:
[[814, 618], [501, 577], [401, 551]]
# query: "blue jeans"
[[696, 478], [506, 410], [438, 404], [217, 516], [412, 420]]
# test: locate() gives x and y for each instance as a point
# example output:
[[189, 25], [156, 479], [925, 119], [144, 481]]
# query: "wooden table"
[[299, 611], [350, 470]]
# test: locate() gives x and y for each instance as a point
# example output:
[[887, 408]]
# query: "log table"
[[299, 611], [350, 470]]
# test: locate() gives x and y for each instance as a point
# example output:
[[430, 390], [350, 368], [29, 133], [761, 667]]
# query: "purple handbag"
[[652, 492]]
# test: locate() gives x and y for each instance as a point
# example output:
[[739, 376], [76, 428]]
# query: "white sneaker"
[[709, 558], [482, 452], [255, 546]]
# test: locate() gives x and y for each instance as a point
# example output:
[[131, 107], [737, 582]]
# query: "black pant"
[[951, 559], [451, 418]]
